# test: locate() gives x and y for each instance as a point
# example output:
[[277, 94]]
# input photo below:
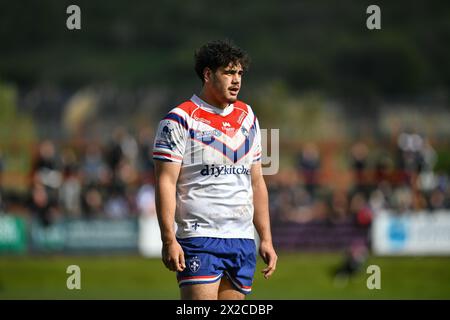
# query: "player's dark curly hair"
[[219, 53]]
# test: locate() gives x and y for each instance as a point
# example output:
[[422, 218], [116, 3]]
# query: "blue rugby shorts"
[[209, 259]]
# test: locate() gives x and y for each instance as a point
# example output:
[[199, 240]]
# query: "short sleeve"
[[170, 139]]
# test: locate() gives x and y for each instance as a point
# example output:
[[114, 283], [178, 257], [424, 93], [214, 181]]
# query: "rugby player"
[[209, 181]]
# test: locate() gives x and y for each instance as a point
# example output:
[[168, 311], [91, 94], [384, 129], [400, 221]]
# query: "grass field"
[[298, 276]]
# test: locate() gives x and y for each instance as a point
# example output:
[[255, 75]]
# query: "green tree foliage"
[[319, 44], [17, 133]]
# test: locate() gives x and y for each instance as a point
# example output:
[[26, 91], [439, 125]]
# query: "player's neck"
[[211, 100]]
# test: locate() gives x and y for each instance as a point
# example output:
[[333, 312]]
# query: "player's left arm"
[[261, 220]]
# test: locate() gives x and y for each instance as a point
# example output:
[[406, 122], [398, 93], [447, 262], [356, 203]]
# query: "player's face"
[[225, 83]]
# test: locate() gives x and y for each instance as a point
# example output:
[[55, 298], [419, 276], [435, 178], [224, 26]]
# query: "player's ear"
[[207, 73]]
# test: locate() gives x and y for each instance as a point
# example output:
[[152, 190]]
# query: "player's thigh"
[[228, 292], [203, 291]]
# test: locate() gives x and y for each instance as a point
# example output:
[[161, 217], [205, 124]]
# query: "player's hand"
[[269, 256], [173, 256]]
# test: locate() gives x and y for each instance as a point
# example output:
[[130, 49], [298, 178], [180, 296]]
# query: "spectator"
[[94, 168], [437, 200], [70, 192], [145, 151], [359, 162], [92, 202], [145, 199], [42, 206], [338, 208], [360, 210], [46, 169], [309, 165], [116, 206]]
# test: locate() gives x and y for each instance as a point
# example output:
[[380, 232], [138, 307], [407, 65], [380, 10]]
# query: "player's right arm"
[[168, 150], [166, 174]]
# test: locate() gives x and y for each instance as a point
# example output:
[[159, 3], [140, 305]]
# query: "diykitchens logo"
[[212, 170]]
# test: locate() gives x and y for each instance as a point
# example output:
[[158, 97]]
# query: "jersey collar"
[[205, 106]]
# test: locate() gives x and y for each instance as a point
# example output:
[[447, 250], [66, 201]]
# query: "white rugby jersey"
[[216, 149]]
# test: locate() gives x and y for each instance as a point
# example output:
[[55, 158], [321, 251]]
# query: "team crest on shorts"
[[194, 264]]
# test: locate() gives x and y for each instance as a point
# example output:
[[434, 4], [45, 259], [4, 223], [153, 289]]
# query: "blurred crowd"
[[94, 180], [115, 179], [398, 177]]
